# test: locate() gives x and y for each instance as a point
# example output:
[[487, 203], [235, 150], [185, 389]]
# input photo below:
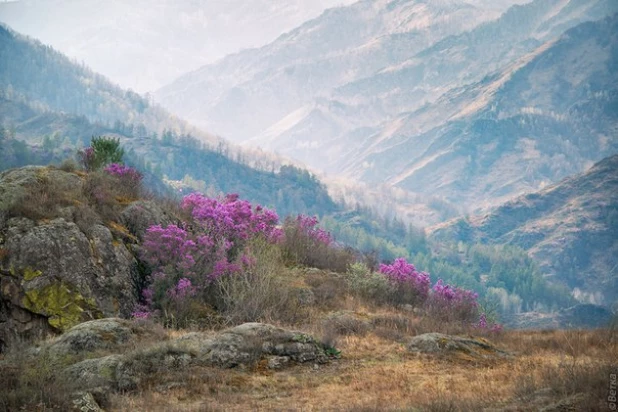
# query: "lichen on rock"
[[62, 304]]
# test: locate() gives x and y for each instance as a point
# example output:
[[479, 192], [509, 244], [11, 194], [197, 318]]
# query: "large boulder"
[[465, 348], [66, 256], [96, 335], [242, 345], [57, 272], [250, 341]]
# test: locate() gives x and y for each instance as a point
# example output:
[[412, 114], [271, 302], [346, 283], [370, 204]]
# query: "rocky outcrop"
[[60, 262], [243, 345], [251, 341], [57, 272], [455, 346], [140, 215], [102, 334]]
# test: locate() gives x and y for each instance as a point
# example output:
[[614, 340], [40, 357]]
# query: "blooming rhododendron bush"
[[188, 259], [408, 286], [228, 259]]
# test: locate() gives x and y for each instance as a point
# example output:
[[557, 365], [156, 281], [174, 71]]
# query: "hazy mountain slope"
[[551, 114], [39, 74], [570, 228], [245, 93], [144, 44], [54, 136], [361, 105]]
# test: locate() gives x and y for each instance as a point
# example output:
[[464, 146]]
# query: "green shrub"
[[369, 285]]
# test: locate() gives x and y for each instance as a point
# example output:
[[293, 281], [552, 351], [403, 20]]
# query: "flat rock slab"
[[468, 348]]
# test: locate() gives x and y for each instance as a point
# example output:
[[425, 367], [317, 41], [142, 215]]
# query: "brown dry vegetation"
[[558, 370], [565, 370]]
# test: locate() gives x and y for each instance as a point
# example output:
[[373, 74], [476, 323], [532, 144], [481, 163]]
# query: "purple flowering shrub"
[[130, 179], [232, 219], [443, 302], [411, 286], [484, 325], [123, 172], [450, 303], [308, 245], [188, 260]]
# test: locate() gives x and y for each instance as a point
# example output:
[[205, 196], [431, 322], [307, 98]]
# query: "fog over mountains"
[[252, 92], [143, 44], [418, 94]]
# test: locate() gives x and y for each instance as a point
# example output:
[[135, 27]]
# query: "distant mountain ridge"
[[143, 44], [410, 105], [245, 93], [549, 115], [35, 72], [570, 228], [50, 106]]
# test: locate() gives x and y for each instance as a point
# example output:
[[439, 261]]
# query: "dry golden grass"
[[375, 373]]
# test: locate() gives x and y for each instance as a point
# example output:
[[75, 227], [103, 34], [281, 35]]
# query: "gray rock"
[[85, 402], [249, 342], [467, 348], [240, 346], [278, 362], [159, 359], [140, 215], [53, 275], [95, 373], [64, 276], [101, 334]]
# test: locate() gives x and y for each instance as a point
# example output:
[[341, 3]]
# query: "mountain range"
[[374, 92], [547, 115], [506, 103], [143, 44], [245, 93]]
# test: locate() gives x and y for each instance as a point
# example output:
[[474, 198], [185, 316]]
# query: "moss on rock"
[[63, 306], [30, 274]]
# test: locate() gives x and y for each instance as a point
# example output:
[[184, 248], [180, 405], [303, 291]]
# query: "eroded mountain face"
[[548, 115]]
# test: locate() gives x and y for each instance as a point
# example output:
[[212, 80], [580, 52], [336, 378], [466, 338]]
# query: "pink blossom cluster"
[[188, 258], [232, 218], [123, 172], [173, 247], [453, 296], [402, 273], [484, 325], [308, 226], [183, 289]]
